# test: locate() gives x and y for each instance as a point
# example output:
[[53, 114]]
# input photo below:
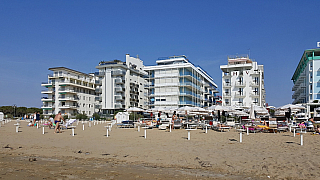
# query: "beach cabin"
[[122, 116], [1, 116]]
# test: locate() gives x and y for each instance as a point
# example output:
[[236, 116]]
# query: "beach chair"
[[69, 122], [177, 124], [163, 125]]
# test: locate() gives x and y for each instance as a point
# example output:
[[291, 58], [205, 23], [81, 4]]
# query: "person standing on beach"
[[57, 120], [38, 117], [174, 117], [34, 117]]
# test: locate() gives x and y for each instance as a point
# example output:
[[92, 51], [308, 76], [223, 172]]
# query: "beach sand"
[[126, 154]]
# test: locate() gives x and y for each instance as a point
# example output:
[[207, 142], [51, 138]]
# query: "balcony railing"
[[119, 80], [97, 106], [46, 91], [62, 98], [227, 84], [98, 90], [98, 98], [98, 82], [240, 83], [226, 94], [119, 89], [237, 94], [254, 94], [118, 73], [254, 83]]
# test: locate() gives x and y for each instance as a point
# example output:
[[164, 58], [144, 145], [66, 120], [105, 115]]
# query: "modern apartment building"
[[175, 82], [120, 85], [306, 79], [242, 82], [68, 91]]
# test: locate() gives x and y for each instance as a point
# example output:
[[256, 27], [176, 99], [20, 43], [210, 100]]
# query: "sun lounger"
[[126, 124], [69, 122]]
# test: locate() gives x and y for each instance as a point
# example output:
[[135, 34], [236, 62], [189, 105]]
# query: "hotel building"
[[120, 85], [306, 79], [242, 82], [175, 82], [68, 91]]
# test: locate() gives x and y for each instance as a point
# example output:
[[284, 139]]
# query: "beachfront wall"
[[306, 80], [242, 82], [68, 91], [175, 82], [121, 85]]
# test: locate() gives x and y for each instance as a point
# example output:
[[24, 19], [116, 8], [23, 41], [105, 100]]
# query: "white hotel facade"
[[242, 82], [120, 85], [175, 82], [306, 80], [68, 91]]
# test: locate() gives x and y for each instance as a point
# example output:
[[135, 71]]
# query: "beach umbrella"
[[220, 108], [134, 109], [252, 114], [292, 106], [186, 109]]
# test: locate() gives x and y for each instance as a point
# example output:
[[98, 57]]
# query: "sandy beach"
[[126, 154]]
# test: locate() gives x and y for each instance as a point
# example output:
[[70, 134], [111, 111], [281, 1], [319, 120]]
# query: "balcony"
[[134, 92], [227, 94], [118, 105], [227, 84], [46, 99], [237, 94], [98, 90], [240, 84], [119, 89], [98, 82], [119, 81], [118, 73], [47, 107], [67, 106], [46, 92], [240, 104], [255, 72], [97, 106], [98, 98], [46, 84], [226, 75], [254, 83], [254, 94], [100, 73], [62, 91], [118, 97], [63, 98]]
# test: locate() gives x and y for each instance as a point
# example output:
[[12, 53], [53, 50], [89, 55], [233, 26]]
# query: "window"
[[240, 91], [84, 98], [227, 101]]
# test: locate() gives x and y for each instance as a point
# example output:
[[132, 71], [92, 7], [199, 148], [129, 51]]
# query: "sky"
[[78, 34]]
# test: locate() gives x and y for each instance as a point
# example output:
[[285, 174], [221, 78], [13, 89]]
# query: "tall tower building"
[[120, 85]]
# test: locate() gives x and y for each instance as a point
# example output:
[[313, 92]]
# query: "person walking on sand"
[[57, 120]]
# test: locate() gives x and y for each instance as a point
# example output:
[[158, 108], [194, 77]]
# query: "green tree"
[[96, 116], [81, 116]]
